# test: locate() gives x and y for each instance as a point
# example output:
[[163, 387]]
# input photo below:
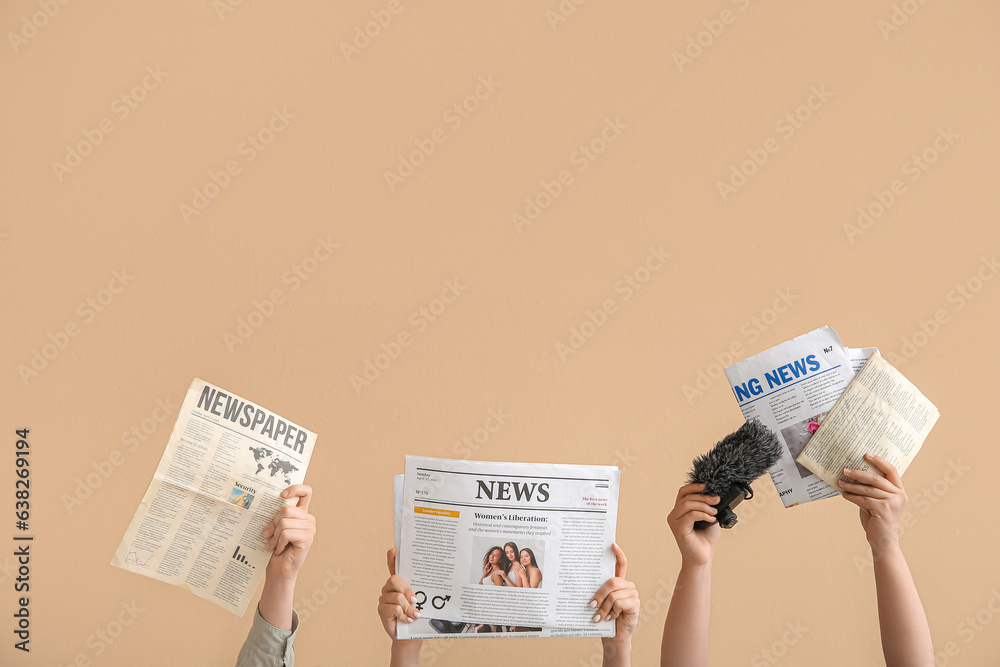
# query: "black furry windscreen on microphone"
[[736, 460]]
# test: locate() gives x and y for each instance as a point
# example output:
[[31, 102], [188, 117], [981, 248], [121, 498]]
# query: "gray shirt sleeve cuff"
[[268, 646]]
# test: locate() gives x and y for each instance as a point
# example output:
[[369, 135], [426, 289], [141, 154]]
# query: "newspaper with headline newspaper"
[[214, 491]]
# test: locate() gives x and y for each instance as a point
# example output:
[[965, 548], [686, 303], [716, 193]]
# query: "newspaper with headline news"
[[791, 388], [214, 491], [504, 549]]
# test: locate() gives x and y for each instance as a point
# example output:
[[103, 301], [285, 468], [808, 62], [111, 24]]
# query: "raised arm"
[[289, 536], [685, 632], [906, 637], [396, 605], [617, 600]]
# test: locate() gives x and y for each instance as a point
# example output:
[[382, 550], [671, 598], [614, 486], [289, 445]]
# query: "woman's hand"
[[290, 534], [397, 604], [397, 600], [696, 546], [617, 600], [289, 537], [881, 501]]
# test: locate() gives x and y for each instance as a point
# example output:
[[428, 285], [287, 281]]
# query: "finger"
[[863, 489], [394, 605], [614, 601], [602, 593], [301, 491], [688, 518], [285, 512], [689, 489], [298, 532], [292, 512], [621, 563], [700, 516], [697, 492], [388, 612], [690, 504], [284, 524], [870, 478], [390, 559], [605, 610], [395, 584], [624, 602], [291, 538], [676, 517], [400, 601], [863, 502], [890, 470]]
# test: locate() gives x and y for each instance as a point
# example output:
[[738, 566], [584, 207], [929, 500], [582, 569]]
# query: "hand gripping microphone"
[[731, 466]]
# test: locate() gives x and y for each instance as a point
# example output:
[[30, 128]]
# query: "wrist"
[[622, 638], [696, 564], [617, 649], [280, 573], [407, 650], [884, 543]]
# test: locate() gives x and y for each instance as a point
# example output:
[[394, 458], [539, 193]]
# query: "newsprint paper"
[[505, 549], [791, 388], [882, 413], [214, 491]]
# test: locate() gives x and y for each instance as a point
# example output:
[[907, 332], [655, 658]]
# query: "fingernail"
[[847, 471], [597, 618], [409, 620], [413, 600], [714, 511], [416, 614], [841, 482], [593, 604]]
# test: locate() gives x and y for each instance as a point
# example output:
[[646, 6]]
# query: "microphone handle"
[[727, 501]]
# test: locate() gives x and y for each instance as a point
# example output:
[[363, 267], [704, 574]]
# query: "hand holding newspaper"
[[881, 413], [797, 387], [214, 491], [505, 547]]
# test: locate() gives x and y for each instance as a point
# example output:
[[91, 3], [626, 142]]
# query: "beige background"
[[619, 399]]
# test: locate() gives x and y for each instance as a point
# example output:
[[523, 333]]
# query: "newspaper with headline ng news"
[[791, 388]]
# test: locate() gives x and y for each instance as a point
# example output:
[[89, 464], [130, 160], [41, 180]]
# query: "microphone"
[[729, 468]]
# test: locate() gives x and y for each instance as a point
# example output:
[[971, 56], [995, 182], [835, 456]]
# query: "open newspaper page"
[[880, 412], [791, 388], [214, 491], [508, 546], [427, 627]]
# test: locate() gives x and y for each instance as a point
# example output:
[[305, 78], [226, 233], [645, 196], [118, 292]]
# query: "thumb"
[[621, 563], [390, 558]]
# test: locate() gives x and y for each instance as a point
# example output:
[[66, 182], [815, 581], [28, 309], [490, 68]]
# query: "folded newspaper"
[[214, 491], [791, 388], [882, 413], [505, 549]]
